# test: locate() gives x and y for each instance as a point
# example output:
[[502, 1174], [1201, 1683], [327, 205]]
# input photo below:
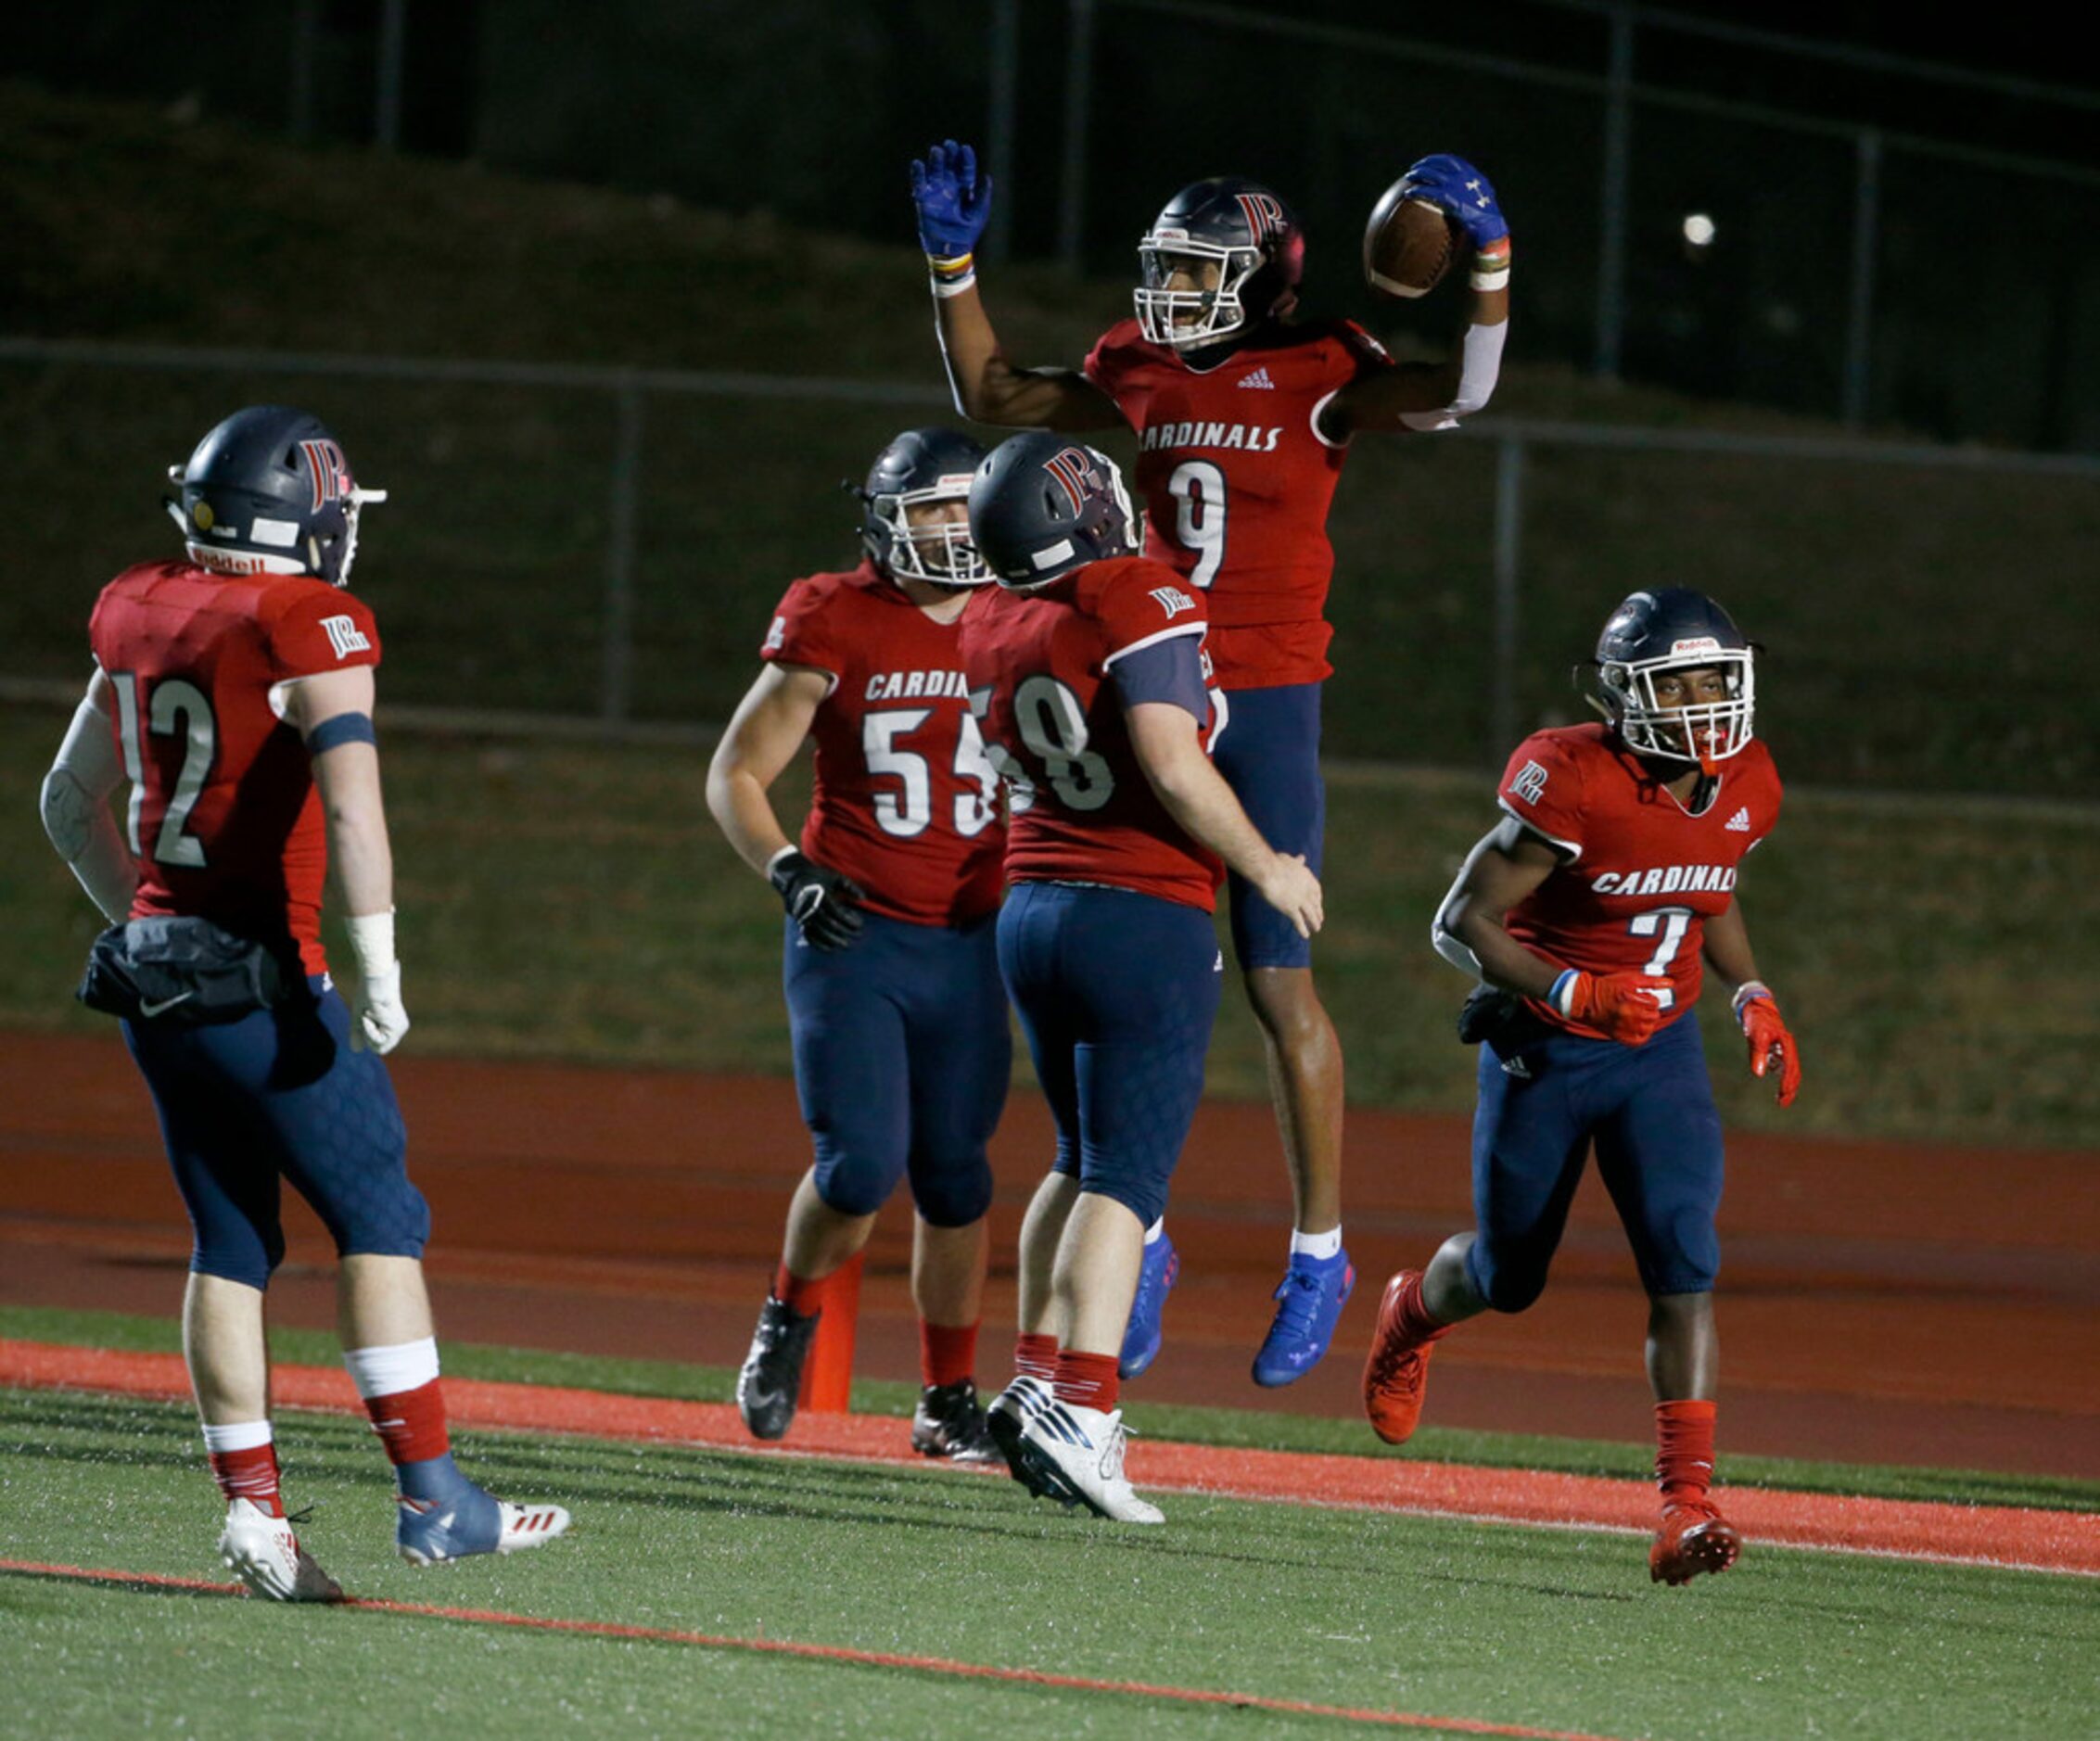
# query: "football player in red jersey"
[[901, 1046], [1586, 912], [1086, 664], [235, 688], [1244, 421]]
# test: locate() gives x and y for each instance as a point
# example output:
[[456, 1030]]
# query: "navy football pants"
[[1269, 755]]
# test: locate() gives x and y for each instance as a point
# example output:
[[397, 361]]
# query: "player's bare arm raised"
[[954, 204], [1195, 794], [1435, 395]]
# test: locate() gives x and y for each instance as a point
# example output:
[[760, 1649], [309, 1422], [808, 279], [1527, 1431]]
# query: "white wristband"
[[372, 941], [945, 288]]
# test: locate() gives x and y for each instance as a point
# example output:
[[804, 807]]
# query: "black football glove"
[[824, 903]]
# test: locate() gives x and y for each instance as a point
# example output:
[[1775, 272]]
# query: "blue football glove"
[[1454, 186], [954, 201]]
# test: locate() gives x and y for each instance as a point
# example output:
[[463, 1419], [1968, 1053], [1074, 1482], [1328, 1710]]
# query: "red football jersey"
[[224, 816], [1039, 664], [906, 800], [1237, 481], [1646, 874]]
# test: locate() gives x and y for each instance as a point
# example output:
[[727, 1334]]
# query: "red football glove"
[[1770, 1044], [1628, 1007]]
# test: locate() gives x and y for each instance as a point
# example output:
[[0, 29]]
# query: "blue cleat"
[[1308, 1302], [1155, 1281], [468, 1520]]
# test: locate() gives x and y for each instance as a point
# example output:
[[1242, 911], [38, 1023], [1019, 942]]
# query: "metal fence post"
[[393, 45], [1611, 215], [1859, 325], [1002, 122], [1078, 107], [617, 679], [1509, 537]]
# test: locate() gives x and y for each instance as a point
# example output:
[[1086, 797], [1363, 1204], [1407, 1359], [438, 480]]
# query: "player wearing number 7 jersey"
[[1586, 912], [899, 1025], [1243, 420], [235, 689]]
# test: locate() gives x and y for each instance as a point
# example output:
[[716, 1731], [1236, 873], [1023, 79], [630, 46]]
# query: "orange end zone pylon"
[[827, 1375]]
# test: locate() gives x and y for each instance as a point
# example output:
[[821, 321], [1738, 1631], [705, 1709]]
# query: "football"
[[1408, 245]]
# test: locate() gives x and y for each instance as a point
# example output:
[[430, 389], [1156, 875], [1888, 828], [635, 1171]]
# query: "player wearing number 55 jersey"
[[1243, 420], [235, 689], [901, 1047], [1086, 667], [1586, 912]]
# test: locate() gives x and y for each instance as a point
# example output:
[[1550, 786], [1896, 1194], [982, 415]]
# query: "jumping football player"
[[1587, 912], [901, 1044], [1087, 666], [1244, 421], [235, 688]]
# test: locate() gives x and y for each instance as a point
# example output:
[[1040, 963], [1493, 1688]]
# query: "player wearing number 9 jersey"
[[1086, 668], [898, 1022], [1586, 912], [235, 689], [1243, 419]]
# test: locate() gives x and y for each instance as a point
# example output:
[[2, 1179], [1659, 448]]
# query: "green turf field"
[[1549, 1628], [577, 901]]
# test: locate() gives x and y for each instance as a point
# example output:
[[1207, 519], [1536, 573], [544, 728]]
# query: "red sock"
[[1088, 1379], [250, 1475], [412, 1423], [803, 1298], [1035, 1356], [1416, 1320], [1683, 1453], [948, 1353]]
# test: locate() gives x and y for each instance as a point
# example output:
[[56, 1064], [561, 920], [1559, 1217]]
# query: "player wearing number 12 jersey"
[[235, 688], [1244, 421], [901, 1047], [1086, 667], [1586, 912]]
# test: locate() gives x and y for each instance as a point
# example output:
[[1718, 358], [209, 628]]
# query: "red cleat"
[[1397, 1369], [1692, 1538]]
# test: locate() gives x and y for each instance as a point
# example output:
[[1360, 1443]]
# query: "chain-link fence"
[[578, 543]]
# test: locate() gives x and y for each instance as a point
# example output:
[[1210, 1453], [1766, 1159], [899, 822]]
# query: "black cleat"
[[950, 1422], [771, 1379]]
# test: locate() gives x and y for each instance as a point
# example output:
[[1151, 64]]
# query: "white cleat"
[[429, 1532], [530, 1526], [1006, 1415], [1075, 1455], [264, 1554]]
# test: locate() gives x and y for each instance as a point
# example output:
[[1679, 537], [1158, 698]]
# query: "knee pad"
[[250, 1255], [954, 1195], [387, 1221], [1506, 1284], [854, 1185], [1148, 1202]]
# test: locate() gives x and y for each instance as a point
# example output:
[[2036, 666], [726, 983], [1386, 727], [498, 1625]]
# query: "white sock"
[[1153, 1233], [1327, 1244], [389, 1371], [240, 1435]]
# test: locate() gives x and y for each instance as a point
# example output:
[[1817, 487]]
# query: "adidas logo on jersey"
[[1739, 822], [1259, 378]]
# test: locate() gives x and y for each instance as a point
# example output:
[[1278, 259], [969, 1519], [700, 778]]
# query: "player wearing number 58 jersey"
[[1086, 667], [1243, 419], [1587, 914], [899, 1026], [235, 688]]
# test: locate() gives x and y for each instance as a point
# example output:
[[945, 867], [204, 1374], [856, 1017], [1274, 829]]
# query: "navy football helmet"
[[1674, 628], [1044, 505], [922, 466], [1228, 229], [268, 491]]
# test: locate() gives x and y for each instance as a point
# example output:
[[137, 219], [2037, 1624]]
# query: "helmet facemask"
[[941, 552], [1701, 733], [1192, 319]]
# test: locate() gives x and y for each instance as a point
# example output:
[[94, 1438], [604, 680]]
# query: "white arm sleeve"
[[75, 803], [1480, 366]]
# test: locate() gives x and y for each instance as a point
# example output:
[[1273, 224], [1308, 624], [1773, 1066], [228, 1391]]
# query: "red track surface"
[[2042, 1541], [1880, 1303]]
